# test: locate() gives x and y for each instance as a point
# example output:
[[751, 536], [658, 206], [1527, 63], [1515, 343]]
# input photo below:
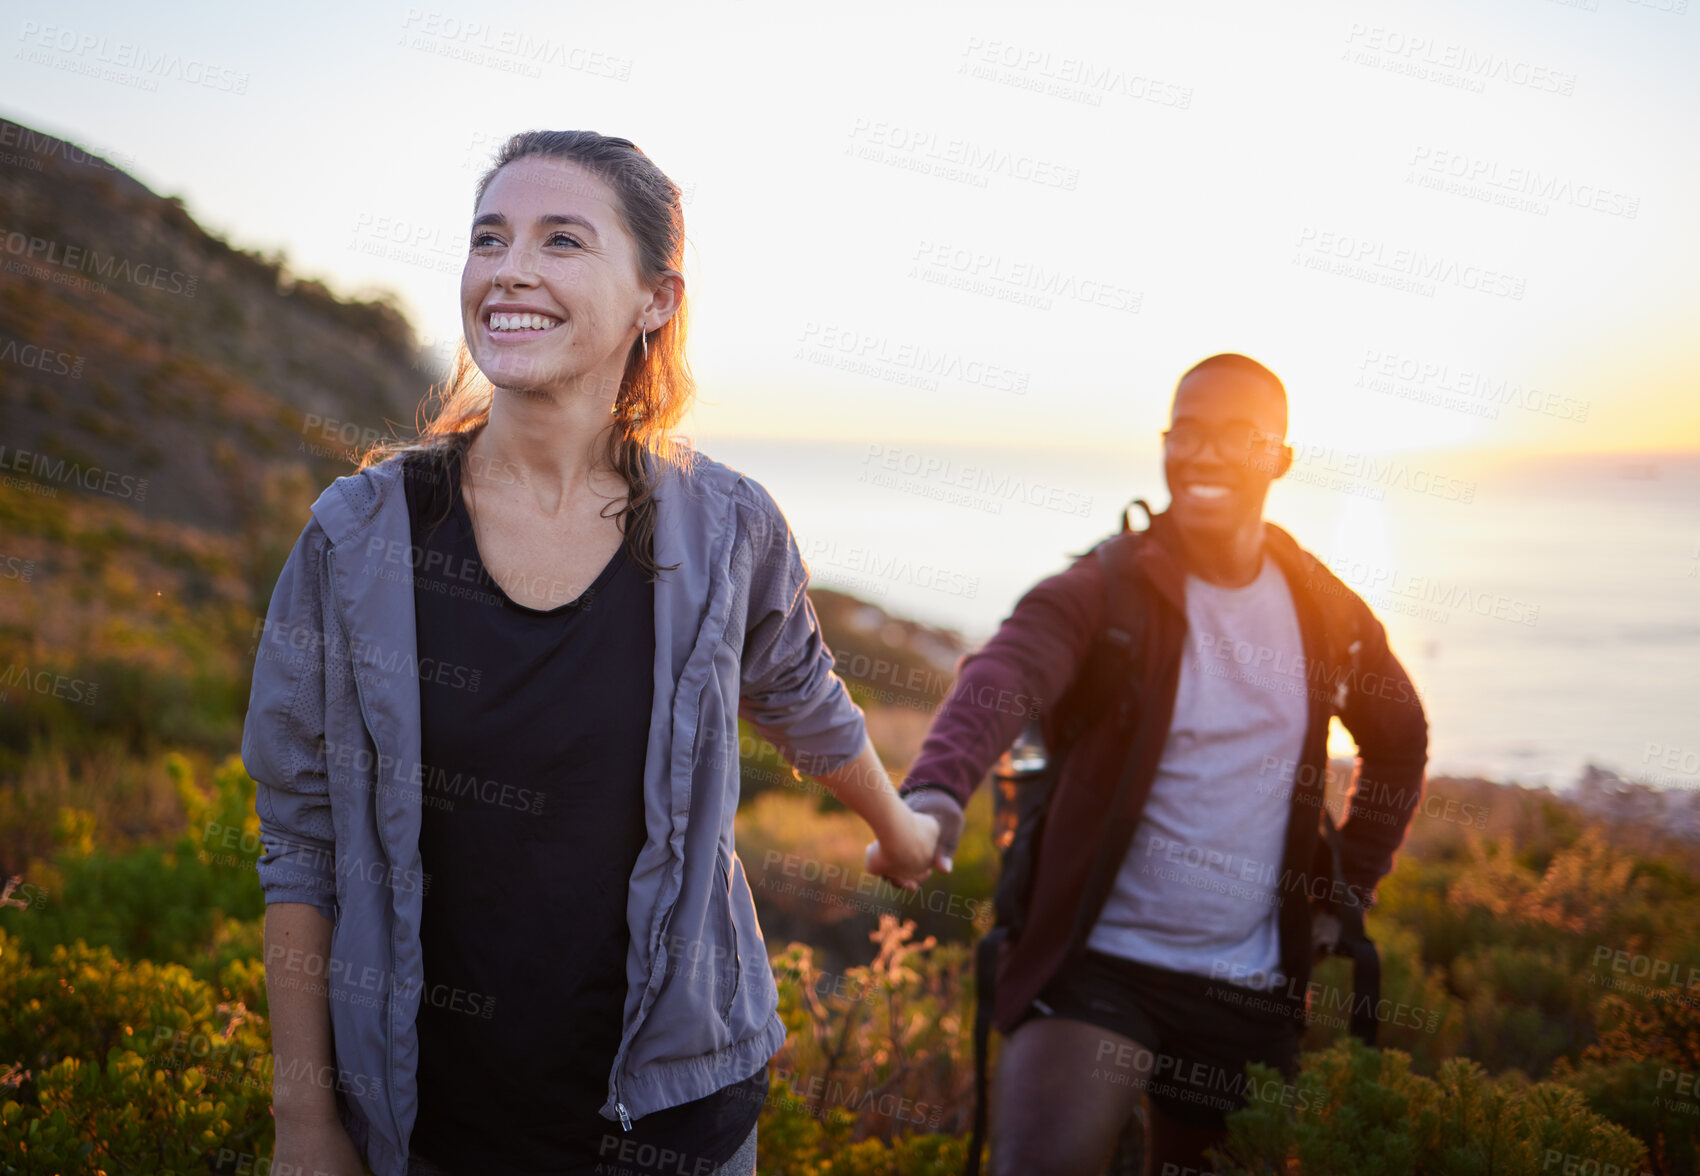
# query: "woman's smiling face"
[[548, 240]]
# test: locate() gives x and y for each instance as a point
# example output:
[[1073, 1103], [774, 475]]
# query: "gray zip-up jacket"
[[332, 737]]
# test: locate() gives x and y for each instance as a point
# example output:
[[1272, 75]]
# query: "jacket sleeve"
[[1385, 717], [1017, 675], [789, 690], [283, 736]]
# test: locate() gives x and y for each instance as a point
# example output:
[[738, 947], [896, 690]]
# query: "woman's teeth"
[[522, 322], [1207, 490]]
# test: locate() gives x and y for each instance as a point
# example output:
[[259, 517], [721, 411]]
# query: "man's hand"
[[942, 807], [908, 859]]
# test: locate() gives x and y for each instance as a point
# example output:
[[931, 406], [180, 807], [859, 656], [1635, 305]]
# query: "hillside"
[[147, 360]]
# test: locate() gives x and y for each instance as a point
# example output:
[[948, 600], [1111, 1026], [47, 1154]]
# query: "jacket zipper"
[[377, 786], [620, 1057], [666, 920]]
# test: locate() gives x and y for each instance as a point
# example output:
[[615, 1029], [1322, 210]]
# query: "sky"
[[993, 224]]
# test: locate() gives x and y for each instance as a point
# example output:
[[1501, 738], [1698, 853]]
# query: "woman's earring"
[[643, 334]]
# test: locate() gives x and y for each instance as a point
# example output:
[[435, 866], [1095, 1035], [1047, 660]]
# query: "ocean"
[[1547, 610]]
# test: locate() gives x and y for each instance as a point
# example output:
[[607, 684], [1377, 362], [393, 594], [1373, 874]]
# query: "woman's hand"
[[1324, 934], [315, 1145], [906, 858]]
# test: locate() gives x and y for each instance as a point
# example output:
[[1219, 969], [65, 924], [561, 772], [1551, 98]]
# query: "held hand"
[[323, 1148], [1324, 934], [943, 808], [907, 859]]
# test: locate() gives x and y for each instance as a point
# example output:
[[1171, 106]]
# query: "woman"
[[494, 728]]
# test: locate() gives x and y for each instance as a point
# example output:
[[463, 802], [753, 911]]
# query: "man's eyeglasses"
[[1235, 440]]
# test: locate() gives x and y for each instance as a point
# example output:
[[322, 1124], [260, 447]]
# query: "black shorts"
[[1201, 1032]]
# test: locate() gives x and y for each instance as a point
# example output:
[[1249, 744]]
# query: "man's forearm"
[[1384, 713], [1013, 678], [1384, 801], [985, 710], [297, 944]]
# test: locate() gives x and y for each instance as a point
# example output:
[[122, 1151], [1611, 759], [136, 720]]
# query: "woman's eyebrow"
[[549, 219]]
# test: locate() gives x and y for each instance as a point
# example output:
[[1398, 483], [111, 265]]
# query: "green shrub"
[[1641, 1072], [1361, 1112], [198, 903], [125, 1067]]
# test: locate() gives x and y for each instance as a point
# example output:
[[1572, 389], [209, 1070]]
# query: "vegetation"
[[1359, 1112], [1538, 1017]]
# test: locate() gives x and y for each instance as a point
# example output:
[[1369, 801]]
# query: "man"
[[1170, 934]]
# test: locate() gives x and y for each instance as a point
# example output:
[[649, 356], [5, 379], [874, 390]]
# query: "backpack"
[[1029, 770]]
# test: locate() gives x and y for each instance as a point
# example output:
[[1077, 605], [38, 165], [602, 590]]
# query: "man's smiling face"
[[1223, 449]]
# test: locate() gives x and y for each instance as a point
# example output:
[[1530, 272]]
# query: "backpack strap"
[[1354, 943], [985, 992], [1127, 522]]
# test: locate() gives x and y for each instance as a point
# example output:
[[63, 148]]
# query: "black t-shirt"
[[535, 726]]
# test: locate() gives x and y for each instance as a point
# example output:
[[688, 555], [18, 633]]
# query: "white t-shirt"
[[1199, 888]]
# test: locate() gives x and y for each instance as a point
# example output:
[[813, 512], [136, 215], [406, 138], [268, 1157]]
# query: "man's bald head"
[[1251, 375]]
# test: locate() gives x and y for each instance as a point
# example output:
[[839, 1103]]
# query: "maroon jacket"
[[1035, 655]]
